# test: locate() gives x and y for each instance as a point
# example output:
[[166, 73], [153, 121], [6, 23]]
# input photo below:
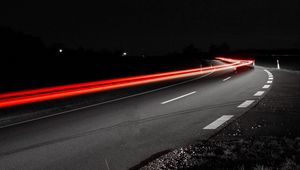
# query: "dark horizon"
[[156, 27]]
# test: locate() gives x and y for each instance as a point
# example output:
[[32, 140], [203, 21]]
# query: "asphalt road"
[[121, 133]]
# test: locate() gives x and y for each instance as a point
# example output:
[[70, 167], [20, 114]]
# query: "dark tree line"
[[25, 62]]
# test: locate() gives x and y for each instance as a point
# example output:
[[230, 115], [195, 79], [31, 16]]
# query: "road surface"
[[121, 133]]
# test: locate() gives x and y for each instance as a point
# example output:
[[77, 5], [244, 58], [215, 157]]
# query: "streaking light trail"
[[57, 92]]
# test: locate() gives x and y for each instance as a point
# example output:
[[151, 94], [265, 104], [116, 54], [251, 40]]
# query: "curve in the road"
[[44, 94], [120, 134]]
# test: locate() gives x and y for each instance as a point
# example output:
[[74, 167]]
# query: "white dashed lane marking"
[[259, 93], [227, 79], [269, 74], [168, 101], [106, 163], [246, 104], [267, 71], [215, 124]]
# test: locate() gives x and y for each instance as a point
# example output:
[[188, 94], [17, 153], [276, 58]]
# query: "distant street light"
[[124, 54], [60, 50]]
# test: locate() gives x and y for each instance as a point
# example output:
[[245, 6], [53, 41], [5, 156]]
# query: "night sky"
[[158, 26]]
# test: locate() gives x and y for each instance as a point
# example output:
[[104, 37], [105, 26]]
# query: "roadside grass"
[[263, 153]]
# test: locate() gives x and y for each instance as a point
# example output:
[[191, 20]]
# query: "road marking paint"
[[227, 78], [105, 102], [185, 95], [106, 163], [246, 104], [270, 78], [269, 81], [266, 86], [215, 124], [259, 93], [269, 74]]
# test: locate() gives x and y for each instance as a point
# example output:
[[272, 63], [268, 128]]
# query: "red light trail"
[[50, 93]]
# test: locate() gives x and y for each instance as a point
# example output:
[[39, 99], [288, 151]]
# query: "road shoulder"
[[265, 137]]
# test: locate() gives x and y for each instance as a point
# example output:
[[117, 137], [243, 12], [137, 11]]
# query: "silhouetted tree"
[[191, 51]]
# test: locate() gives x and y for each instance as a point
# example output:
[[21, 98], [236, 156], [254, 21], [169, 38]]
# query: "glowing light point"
[[124, 54], [60, 50]]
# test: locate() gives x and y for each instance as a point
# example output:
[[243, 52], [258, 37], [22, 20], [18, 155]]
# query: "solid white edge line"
[[246, 103], [259, 93], [105, 102], [227, 79], [176, 98], [215, 124]]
